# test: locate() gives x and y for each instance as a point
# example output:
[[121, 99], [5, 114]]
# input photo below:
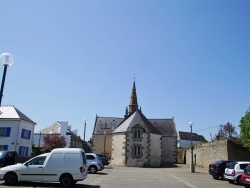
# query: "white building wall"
[[118, 153], [64, 128], [26, 142], [15, 140], [169, 149], [186, 143], [155, 150]]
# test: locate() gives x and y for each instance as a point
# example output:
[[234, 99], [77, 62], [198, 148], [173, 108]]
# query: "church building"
[[135, 140]]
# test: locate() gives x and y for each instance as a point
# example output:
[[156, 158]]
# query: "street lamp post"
[[192, 167], [7, 60], [85, 121]]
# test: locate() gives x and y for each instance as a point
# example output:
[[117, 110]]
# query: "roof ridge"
[[108, 117]]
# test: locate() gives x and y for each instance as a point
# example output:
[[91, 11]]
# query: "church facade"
[[135, 140]]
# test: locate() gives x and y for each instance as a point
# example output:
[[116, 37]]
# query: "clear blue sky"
[[77, 59]]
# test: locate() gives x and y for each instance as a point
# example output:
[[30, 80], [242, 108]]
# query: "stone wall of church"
[[98, 144], [137, 161], [118, 153], [155, 150], [169, 150]]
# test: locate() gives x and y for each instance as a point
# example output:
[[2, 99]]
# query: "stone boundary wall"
[[237, 152], [207, 153], [181, 156]]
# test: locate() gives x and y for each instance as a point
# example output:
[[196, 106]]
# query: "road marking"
[[94, 182], [183, 181]]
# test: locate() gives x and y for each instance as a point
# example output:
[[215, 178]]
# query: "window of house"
[[3, 147], [137, 134], [137, 151], [23, 151], [25, 134], [5, 131]]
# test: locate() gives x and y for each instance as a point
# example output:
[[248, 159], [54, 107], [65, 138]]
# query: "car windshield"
[[217, 162], [243, 166], [247, 169], [3, 153], [231, 165]]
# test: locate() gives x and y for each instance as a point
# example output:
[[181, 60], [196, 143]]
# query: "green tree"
[[245, 129]]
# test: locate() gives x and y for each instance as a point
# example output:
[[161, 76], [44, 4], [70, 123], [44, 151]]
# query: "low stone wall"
[[207, 153], [237, 152], [181, 156]]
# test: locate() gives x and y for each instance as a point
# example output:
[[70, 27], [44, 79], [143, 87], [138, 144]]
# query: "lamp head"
[[190, 124], [6, 59]]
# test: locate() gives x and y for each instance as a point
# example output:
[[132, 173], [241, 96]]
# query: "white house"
[[59, 128], [184, 139], [16, 131]]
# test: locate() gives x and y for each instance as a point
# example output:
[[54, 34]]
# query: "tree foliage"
[[225, 131], [54, 141], [245, 129]]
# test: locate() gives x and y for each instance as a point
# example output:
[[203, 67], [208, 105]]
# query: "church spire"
[[133, 106]]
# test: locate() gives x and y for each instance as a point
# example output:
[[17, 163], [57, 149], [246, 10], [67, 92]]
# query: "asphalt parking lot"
[[177, 176]]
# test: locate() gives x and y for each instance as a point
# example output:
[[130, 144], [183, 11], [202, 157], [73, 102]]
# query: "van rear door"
[[84, 160]]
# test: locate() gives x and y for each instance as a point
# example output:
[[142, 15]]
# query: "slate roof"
[[165, 126], [187, 136], [11, 112], [108, 123], [136, 118], [52, 129]]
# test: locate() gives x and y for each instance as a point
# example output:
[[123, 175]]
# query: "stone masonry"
[[207, 153]]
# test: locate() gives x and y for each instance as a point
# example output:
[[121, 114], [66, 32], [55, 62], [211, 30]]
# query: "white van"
[[64, 165]]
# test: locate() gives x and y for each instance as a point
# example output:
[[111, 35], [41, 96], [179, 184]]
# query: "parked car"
[[8, 158], [94, 163], [64, 165], [245, 177], [104, 158], [234, 171], [217, 169]]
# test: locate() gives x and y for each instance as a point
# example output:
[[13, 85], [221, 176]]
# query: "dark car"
[[217, 169], [8, 158], [104, 157]]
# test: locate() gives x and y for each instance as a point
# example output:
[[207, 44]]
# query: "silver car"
[[94, 163], [234, 170]]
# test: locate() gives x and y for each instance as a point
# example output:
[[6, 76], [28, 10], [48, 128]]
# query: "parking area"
[[177, 176]]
